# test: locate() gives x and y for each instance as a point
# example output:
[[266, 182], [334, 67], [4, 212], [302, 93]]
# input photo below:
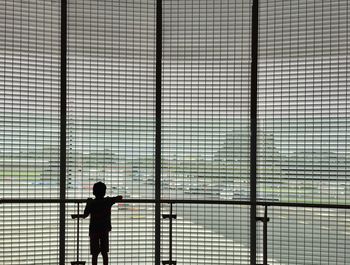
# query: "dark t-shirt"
[[100, 214]]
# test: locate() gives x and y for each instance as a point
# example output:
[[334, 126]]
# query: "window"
[[207, 133], [30, 130]]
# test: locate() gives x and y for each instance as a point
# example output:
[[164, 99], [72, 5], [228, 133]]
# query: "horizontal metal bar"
[[67, 201], [125, 201], [305, 205], [188, 201], [185, 201]]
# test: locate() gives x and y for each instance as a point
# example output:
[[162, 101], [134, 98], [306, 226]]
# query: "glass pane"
[[131, 240], [29, 234], [206, 86], [111, 97], [306, 236], [303, 96], [29, 98], [207, 234]]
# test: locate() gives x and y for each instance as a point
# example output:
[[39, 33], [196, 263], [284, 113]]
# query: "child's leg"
[[94, 248], [105, 247], [94, 259], [105, 258]]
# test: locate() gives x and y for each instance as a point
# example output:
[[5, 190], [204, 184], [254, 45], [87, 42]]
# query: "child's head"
[[99, 189]]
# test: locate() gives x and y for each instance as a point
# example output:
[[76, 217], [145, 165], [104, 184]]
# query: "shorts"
[[99, 242]]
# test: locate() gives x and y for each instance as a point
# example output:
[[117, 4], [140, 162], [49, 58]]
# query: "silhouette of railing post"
[[264, 219], [77, 216], [171, 216]]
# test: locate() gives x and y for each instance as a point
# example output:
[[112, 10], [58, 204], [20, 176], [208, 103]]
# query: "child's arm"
[[87, 209], [118, 198], [84, 215]]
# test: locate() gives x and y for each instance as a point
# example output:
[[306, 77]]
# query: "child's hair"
[[99, 189]]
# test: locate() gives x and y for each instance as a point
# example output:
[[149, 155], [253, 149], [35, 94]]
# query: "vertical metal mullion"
[[253, 128], [63, 107], [266, 219], [158, 130]]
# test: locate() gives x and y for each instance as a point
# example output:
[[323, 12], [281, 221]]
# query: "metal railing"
[[263, 219], [182, 201]]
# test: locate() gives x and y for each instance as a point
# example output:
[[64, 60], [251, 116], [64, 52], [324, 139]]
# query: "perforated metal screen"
[[203, 101]]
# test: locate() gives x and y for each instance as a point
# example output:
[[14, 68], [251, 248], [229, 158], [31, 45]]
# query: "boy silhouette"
[[99, 210]]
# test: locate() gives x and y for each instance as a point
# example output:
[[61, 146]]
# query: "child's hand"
[[119, 197], [76, 216]]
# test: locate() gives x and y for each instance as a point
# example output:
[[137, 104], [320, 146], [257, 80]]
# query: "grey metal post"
[[170, 216], [63, 107], [253, 128], [171, 235], [266, 219], [158, 140], [78, 232]]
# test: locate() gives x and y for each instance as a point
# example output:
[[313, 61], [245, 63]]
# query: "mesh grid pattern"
[[29, 99], [111, 90], [303, 101], [302, 148], [205, 99], [29, 234], [130, 238], [306, 236], [207, 234]]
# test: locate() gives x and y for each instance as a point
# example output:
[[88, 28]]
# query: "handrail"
[[186, 201]]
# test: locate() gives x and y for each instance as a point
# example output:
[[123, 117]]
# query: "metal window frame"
[[158, 133], [158, 201], [63, 129], [253, 126]]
